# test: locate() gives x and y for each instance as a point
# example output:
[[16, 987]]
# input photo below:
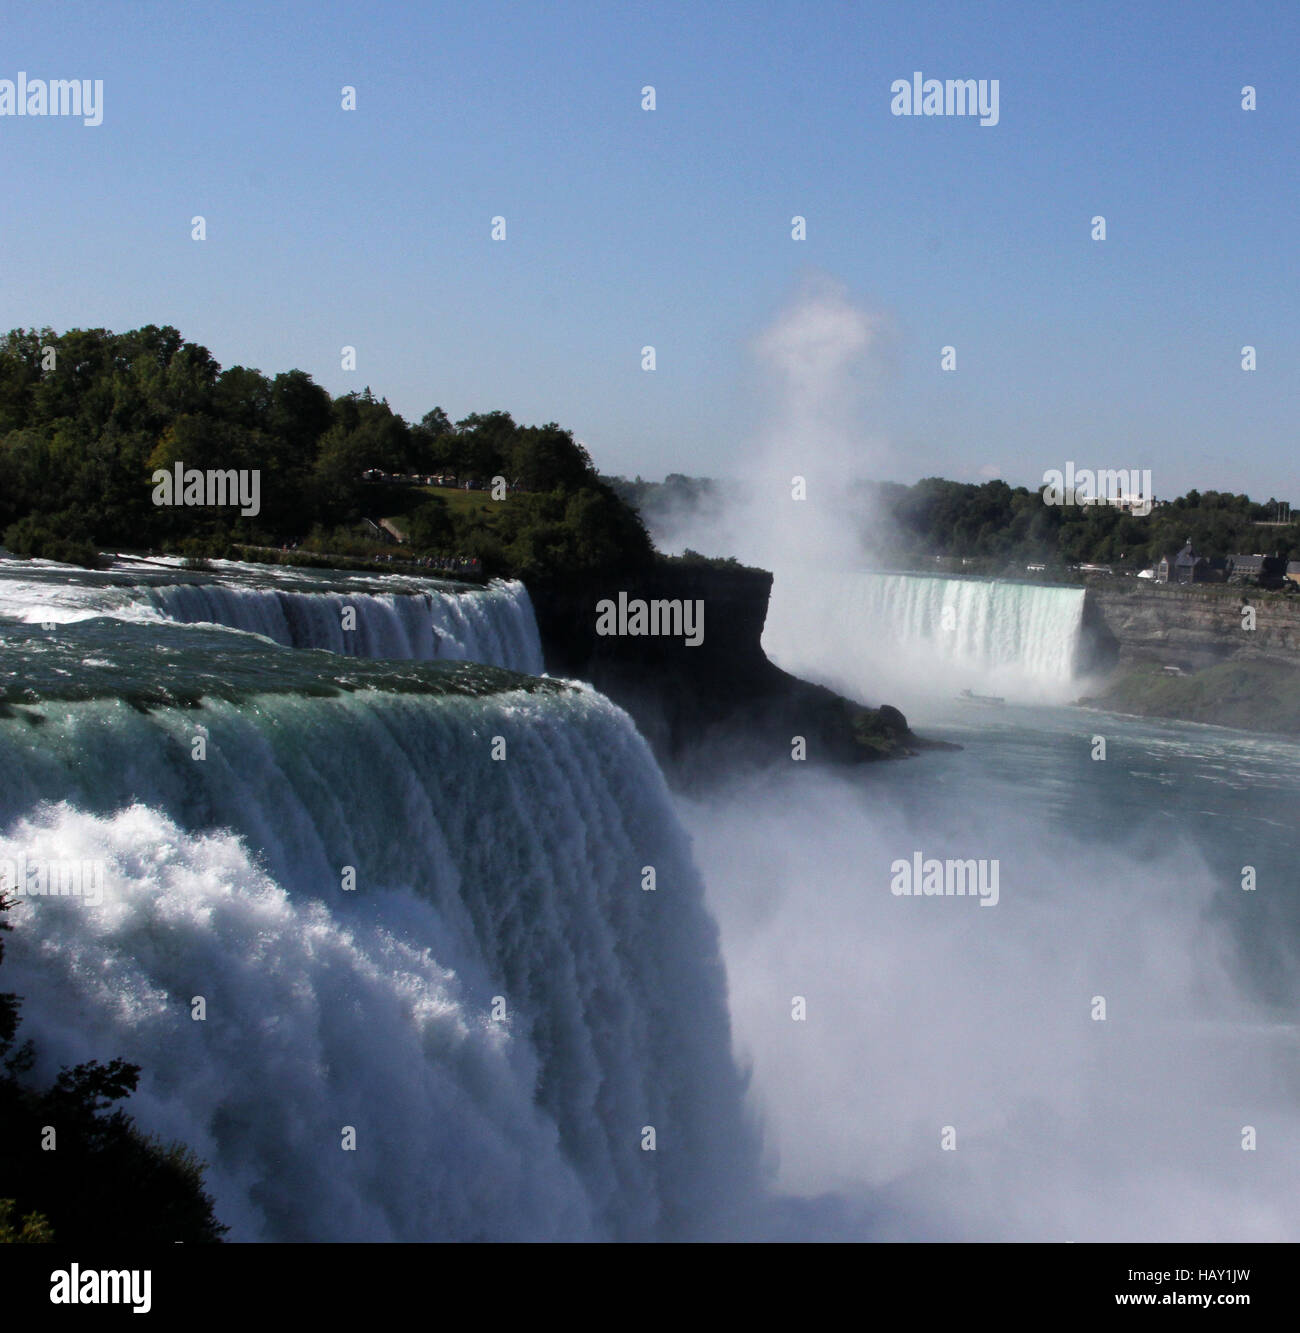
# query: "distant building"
[[1266, 569], [1184, 567], [1293, 571]]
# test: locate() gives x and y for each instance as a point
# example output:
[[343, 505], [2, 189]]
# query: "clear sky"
[[672, 227]]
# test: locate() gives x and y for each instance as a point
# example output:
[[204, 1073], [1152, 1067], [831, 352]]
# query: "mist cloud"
[[817, 362]]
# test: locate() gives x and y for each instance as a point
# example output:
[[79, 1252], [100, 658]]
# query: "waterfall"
[[493, 625], [381, 616], [419, 917], [882, 635]]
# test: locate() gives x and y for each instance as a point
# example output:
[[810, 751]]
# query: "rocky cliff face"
[[1232, 676], [701, 705], [735, 609], [1129, 624]]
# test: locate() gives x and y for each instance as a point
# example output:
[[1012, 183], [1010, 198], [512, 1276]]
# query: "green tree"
[[547, 458], [104, 1178], [429, 527], [33, 1229]]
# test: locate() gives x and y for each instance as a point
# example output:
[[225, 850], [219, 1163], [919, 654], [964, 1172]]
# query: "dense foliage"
[[87, 416], [995, 521], [99, 1176], [1003, 526]]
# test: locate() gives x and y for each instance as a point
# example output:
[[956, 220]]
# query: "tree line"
[[997, 522], [88, 416], [1004, 526]]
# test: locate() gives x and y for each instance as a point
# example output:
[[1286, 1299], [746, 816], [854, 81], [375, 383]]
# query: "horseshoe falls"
[[904, 637], [396, 904]]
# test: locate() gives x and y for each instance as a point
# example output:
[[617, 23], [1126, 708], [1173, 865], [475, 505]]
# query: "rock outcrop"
[[707, 705], [1228, 674], [1190, 627]]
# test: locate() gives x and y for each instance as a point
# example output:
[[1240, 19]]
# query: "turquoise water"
[[1096, 1042], [411, 894], [1227, 798], [161, 663]]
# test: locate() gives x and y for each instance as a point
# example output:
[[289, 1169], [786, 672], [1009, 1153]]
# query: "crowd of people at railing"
[[445, 480], [447, 564], [453, 564]]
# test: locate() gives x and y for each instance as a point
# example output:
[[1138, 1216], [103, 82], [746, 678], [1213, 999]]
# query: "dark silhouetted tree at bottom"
[[104, 1180]]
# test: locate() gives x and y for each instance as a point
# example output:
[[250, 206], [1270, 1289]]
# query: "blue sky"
[[672, 228]]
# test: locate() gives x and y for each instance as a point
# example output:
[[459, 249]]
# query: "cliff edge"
[[716, 700], [1224, 655]]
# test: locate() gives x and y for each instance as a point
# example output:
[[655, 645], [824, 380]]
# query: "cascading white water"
[[895, 636], [493, 625], [482, 886], [396, 616]]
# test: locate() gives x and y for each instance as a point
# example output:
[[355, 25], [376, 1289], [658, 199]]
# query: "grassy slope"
[[1253, 696], [459, 503]]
